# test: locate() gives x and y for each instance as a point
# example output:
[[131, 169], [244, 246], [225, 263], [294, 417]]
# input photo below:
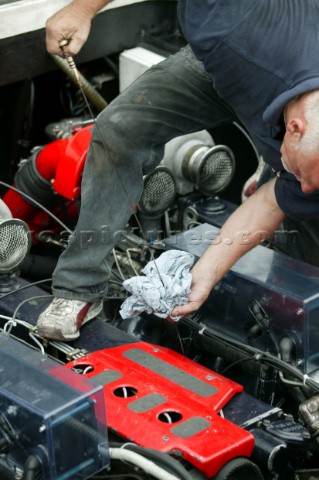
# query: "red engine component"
[[57, 169], [70, 166], [159, 399]]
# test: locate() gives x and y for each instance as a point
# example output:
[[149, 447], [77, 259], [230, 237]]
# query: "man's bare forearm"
[[91, 7], [251, 223]]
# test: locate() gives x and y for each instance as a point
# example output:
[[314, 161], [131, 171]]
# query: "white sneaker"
[[62, 319]]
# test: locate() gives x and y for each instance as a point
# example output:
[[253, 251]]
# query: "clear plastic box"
[[51, 413], [287, 290]]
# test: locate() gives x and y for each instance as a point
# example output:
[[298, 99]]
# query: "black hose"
[[32, 183], [32, 468], [164, 460]]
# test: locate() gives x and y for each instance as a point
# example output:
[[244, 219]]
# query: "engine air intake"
[[210, 168], [159, 192]]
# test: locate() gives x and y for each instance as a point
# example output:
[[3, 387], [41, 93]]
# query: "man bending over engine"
[[250, 61]]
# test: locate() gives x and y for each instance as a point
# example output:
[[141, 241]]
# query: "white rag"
[[166, 284]]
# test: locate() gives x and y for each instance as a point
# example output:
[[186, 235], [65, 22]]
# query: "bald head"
[[309, 143], [300, 147]]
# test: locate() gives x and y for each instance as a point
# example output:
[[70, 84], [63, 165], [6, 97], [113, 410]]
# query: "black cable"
[[255, 354], [24, 142], [179, 338], [37, 204], [24, 287], [233, 364]]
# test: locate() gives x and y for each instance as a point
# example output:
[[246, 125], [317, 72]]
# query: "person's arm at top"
[[251, 223], [72, 23]]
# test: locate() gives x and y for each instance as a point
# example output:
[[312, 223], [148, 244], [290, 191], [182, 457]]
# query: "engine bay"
[[230, 392]]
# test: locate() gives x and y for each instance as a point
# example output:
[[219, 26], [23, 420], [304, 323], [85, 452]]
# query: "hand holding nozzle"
[[69, 59], [68, 66]]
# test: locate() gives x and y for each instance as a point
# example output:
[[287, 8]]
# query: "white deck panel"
[[25, 16]]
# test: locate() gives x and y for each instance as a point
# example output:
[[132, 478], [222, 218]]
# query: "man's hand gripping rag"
[[165, 285]]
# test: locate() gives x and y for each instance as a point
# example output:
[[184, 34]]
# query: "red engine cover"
[[159, 399]]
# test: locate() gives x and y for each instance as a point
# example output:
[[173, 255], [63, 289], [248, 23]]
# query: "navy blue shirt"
[[261, 54]]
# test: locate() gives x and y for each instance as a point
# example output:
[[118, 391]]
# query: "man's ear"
[[296, 126]]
